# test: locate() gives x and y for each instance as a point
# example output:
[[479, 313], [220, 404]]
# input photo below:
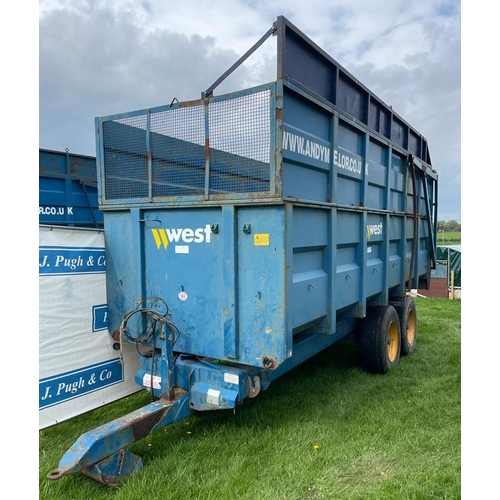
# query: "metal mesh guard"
[[238, 156]]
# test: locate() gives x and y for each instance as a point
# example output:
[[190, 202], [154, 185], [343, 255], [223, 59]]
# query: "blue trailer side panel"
[[68, 190], [238, 303]]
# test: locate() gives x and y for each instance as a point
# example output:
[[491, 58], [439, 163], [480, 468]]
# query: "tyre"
[[380, 339], [407, 313]]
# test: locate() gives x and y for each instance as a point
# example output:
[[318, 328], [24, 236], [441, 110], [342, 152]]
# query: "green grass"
[[325, 430], [449, 238]]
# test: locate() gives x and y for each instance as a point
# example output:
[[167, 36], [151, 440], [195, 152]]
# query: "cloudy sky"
[[100, 57]]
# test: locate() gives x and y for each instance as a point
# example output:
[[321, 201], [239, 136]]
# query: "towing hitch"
[[100, 453]]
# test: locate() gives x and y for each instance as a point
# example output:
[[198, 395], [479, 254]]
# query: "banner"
[[79, 370]]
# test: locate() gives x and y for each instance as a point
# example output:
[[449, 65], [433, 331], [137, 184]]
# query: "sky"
[[101, 57]]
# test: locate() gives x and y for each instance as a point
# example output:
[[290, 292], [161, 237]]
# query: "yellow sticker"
[[261, 239]]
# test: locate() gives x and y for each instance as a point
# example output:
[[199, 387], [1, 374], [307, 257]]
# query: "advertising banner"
[[79, 369]]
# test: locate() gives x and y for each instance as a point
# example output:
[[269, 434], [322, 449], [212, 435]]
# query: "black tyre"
[[407, 313], [380, 339]]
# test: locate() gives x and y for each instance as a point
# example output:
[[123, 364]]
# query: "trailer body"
[[247, 232], [68, 190]]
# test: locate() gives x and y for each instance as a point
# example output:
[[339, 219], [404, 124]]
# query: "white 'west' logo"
[[184, 235], [374, 229]]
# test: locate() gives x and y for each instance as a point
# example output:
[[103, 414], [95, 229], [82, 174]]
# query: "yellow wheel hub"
[[411, 328], [392, 342]]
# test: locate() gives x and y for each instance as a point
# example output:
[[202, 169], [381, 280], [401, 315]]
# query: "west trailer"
[[249, 231]]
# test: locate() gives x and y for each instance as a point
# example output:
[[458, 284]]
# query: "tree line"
[[448, 226]]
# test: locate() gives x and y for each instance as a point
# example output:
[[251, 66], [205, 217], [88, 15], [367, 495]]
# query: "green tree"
[[452, 225], [448, 226]]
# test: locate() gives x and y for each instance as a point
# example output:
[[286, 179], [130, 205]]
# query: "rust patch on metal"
[[145, 425], [253, 389], [269, 362]]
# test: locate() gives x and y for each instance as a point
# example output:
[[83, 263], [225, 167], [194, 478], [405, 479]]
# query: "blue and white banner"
[[67, 260], [78, 368]]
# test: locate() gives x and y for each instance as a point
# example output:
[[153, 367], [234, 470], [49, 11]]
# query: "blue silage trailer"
[[247, 232], [68, 190]]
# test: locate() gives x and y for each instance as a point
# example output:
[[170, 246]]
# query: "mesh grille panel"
[[239, 153], [239, 144], [177, 146], [125, 158]]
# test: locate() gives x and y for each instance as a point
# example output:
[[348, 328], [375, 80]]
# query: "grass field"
[[326, 430], [449, 238]]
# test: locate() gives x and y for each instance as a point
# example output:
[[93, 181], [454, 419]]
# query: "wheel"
[[407, 313], [380, 339]]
